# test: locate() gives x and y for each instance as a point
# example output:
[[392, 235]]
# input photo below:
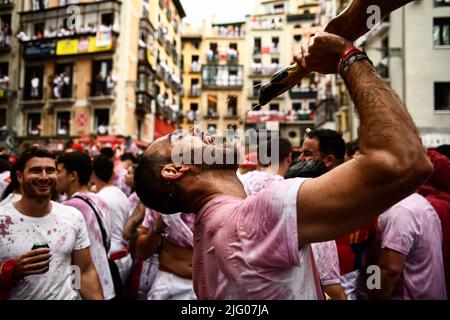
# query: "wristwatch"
[[162, 233]]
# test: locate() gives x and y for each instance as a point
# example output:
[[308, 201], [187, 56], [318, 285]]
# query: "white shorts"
[[168, 286], [149, 270]]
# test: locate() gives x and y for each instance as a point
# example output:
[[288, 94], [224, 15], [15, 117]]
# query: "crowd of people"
[[84, 226]]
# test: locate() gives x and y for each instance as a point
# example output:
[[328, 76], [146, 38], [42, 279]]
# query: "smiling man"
[[257, 247], [44, 273]]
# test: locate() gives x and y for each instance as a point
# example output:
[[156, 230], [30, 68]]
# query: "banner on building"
[[81, 46]]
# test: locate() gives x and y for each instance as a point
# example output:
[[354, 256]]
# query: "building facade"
[[98, 67], [9, 75], [277, 29]]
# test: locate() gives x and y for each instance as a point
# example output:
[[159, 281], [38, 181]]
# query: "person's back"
[[412, 228], [120, 208], [97, 249], [236, 260]]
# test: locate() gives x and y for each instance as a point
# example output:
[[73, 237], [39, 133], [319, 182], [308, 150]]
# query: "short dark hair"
[[108, 152], [5, 165], [103, 167], [35, 151], [330, 142], [128, 156], [77, 162], [155, 192], [285, 149], [444, 149], [306, 169], [352, 147]]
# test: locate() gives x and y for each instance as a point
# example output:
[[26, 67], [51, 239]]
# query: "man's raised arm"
[[392, 162]]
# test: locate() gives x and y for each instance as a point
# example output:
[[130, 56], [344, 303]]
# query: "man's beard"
[[28, 189]]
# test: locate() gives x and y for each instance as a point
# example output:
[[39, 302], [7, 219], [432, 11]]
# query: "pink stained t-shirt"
[[412, 228], [248, 249], [255, 181], [180, 226], [327, 260]]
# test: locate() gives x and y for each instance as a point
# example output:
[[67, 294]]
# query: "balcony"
[[264, 70], [101, 92], [263, 116], [195, 67], [5, 45], [143, 103], [222, 76], [195, 91], [211, 114], [325, 111], [301, 17], [226, 30], [303, 93], [267, 23], [232, 58], [192, 115], [212, 57], [6, 5]]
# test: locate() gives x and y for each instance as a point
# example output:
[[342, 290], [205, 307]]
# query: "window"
[[196, 45], [34, 78], [5, 24], [255, 88], [62, 81], [275, 60], [296, 106], [101, 121], [34, 125], [233, 46], [212, 128], [275, 42], [4, 72], [439, 3], [212, 106], [257, 45], [441, 31], [63, 123], [3, 119], [274, 107], [297, 38], [107, 19], [39, 30], [256, 107], [193, 106], [312, 106], [232, 106], [103, 80], [442, 96]]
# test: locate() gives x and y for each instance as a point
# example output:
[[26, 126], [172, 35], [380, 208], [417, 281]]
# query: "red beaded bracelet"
[[7, 269]]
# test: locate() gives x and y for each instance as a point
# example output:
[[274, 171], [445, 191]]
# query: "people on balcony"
[[110, 83], [35, 82], [4, 81], [5, 36], [61, 83], [62, 31]]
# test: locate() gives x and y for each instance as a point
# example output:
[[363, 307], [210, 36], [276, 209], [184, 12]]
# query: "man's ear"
[[73, 176], [173, 172], [329, 161], [19, 177]]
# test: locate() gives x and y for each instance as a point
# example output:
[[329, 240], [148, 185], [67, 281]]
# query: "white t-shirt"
[[12, 197], [120, 208], [64, 230]]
